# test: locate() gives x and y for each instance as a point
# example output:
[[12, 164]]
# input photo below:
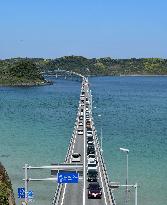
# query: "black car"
[[89, 129], [90, 138], [94, 190], [92, 176], [90, 150]]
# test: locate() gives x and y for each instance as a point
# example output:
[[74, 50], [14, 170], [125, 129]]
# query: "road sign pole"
[[26, 184], [135, 194]]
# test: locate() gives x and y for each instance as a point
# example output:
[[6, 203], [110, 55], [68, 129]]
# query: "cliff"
[[6, 191]]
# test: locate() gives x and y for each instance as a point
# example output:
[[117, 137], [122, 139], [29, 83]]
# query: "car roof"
[[93, 184]]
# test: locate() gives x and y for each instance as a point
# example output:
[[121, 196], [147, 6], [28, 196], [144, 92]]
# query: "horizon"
[[80, 56], [96, 29]]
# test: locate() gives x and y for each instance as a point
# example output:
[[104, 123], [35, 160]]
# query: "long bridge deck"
[[77, 194]]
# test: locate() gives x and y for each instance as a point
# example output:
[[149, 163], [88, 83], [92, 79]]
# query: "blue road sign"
[[21, 193], [30, 195], [68, 177]]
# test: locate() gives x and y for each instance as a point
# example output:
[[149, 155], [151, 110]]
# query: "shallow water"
[[36, 125]]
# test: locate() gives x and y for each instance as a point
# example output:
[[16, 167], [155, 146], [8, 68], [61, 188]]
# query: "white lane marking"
[[74, 140], [62, 201]]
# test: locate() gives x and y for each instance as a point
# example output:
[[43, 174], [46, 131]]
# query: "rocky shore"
[[6, 191]]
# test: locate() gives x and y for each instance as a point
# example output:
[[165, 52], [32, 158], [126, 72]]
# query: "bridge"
[[85, 160], [76, 194], [59, 73]]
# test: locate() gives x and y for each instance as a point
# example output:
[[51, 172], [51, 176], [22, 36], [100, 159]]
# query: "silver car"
[[76, 157]]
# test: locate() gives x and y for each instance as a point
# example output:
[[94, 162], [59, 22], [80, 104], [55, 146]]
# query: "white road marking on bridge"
[[62, 201], [72, 151]]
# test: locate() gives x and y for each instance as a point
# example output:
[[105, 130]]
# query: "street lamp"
[[126, 151]]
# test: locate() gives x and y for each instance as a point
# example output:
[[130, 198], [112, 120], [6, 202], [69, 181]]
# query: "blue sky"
[[91, 28]]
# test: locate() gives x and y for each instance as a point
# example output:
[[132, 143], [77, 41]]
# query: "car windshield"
[[91, 156], [91, 165], [75, 155], [94, 187]]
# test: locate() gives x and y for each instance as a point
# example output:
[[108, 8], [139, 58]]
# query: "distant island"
[[27, 71]]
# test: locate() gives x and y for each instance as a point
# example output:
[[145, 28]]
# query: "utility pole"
[[26, 183]]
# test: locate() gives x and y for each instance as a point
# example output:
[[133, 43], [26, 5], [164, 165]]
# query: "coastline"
[[144, 75], [43, 83]]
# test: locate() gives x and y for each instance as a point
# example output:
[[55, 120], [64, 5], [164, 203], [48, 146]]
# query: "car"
[[91, 156], [89, 129], [92, 165], [94, 190], [89, 135], [76, 157], [89, 138], [80, 123], [81, 113], [90, 143], [90, 150], [92, 161], [89, 132], [80, 132], [92, 176], [87, 109], [88, 124], [81, 117], [87, 112]]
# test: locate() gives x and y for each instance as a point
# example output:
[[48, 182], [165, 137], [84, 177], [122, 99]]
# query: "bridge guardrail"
[[105, 174], [60, 186]]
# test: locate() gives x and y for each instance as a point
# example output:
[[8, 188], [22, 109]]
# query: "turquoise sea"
[[36, 124]]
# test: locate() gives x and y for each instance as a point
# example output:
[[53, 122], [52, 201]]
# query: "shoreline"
[[144, 75], [28, 84]]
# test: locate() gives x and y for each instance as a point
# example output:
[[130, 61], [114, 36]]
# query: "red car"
[[94, 190]]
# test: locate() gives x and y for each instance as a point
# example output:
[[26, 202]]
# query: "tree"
[[25, 69]]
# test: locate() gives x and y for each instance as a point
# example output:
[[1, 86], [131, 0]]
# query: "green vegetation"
[[6, 191], [24, 71], [20, 72]]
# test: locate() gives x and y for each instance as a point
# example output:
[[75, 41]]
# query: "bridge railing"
[[58, 192], [104, 169]]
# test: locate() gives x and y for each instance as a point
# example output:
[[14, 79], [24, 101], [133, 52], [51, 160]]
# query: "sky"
[[90, 28]]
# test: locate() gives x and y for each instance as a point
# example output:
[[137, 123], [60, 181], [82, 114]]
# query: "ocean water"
[[36, 124]]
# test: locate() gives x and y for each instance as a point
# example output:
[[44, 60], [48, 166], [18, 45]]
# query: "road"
[[76, 194]]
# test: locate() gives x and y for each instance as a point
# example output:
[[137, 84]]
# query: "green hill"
[[26, 71]]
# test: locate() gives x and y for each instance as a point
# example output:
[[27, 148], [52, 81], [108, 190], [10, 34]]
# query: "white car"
[[92, 161], [90, 143], [89, 132], [76, 157], [92, 157], [92, 165], [89, 135], [80, 123], [80, 132]]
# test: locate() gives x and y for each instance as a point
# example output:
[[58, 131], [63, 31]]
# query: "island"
[[28, 71], [22, 72]]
